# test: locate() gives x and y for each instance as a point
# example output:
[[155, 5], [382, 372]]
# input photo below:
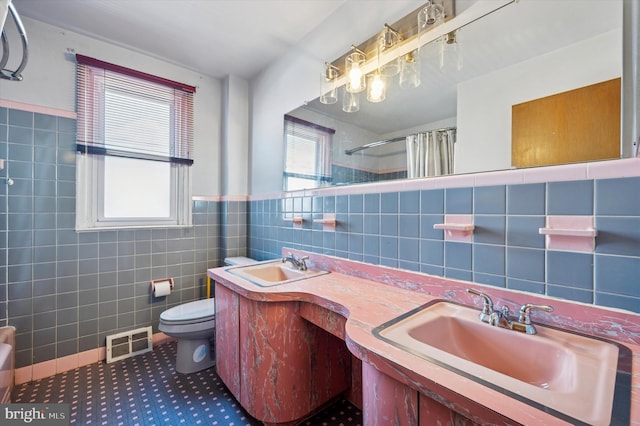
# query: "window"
[[134, 148], [307, 154]]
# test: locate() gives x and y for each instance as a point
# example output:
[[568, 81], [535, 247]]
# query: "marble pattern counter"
[[369, 295]]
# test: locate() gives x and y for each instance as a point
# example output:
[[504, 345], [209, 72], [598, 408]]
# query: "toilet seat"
[[190, 313], [193, 324]]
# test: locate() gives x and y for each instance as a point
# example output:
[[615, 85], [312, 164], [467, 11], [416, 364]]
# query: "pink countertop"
[[369, 295]]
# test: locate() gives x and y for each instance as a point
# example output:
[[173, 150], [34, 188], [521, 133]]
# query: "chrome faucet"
[[500, 318], [524, 319], [298, 262]]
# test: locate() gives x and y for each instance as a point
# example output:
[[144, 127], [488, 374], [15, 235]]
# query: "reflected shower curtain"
[[430, 153]]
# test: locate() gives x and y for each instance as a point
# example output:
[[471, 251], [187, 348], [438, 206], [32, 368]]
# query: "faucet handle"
[[525, 312], [487, 304], [505, 311], [303, 263]]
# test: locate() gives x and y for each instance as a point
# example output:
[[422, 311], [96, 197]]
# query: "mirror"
[[520, 52]]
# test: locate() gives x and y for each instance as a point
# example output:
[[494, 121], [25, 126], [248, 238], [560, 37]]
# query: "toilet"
[[193, 325]]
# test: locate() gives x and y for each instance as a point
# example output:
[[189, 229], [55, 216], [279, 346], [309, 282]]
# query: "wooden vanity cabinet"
[[279, 366], [228, 338], [387, 400]]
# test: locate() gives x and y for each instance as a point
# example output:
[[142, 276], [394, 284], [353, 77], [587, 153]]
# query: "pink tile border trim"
[[71, 362], [627, 167], [5, 103], [205, 198]]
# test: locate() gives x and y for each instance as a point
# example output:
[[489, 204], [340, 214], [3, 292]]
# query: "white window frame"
[[322, 138], [90, 175], [89, 195]]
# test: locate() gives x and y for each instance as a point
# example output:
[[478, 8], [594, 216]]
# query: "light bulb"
[[376, 87], [355, 77], [353, 66], [376, 91]]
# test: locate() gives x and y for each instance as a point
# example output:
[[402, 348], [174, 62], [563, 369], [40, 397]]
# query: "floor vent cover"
[[129, 343]]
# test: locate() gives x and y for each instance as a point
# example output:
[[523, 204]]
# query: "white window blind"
[[307, 154], [123, 112], [135, 146]]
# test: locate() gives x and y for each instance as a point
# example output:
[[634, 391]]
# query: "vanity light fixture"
[[353, 65], [389, 39], [369, 66], [450, 50], [430, 15], [329, 84], [376, 91], [350, 101], [410, 70]]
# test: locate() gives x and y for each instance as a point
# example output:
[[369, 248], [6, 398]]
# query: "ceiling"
[[213, 37]]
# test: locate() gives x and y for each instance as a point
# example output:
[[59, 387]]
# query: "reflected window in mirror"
[[307, 154]]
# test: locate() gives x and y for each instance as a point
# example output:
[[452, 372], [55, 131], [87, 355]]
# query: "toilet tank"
[[240, 260]]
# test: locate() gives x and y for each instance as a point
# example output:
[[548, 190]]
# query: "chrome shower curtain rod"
[[387, 141]]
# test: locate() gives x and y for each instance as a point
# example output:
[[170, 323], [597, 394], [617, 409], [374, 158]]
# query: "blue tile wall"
[[341, 175], [396, 229], [66, 291]]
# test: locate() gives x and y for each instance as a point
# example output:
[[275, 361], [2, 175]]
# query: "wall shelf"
[[296, 220], [461, 227], [589, 232], [569, 233], [457, 227], [328, 222]]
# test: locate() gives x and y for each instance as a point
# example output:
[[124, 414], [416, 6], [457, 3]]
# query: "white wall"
[[49, 81], [235, 136], [484, 103]]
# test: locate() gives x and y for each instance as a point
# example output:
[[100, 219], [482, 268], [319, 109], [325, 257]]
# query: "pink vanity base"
[[227, 341], [387, 401], [357, 297], [279, 366]]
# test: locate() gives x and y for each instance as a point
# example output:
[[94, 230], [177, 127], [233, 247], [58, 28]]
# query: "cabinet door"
[[290, 367], [387, 401], [227, 338]]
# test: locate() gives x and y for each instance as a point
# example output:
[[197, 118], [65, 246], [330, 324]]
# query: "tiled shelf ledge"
[[457, 227], [590, 232], [461, 227], [296, 220], [570, 233], [328, 222]]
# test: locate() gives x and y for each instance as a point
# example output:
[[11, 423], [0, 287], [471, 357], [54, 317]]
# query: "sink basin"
[[272, 273], [570, 375]]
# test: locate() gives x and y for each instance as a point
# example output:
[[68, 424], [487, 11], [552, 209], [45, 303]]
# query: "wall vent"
[[129, 343]]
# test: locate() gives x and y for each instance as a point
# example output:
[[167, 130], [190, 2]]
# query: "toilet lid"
[[199, 310]]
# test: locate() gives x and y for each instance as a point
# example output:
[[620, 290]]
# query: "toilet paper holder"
[[163, 280]]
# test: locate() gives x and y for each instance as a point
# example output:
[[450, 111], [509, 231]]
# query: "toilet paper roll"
[[161, 288]]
